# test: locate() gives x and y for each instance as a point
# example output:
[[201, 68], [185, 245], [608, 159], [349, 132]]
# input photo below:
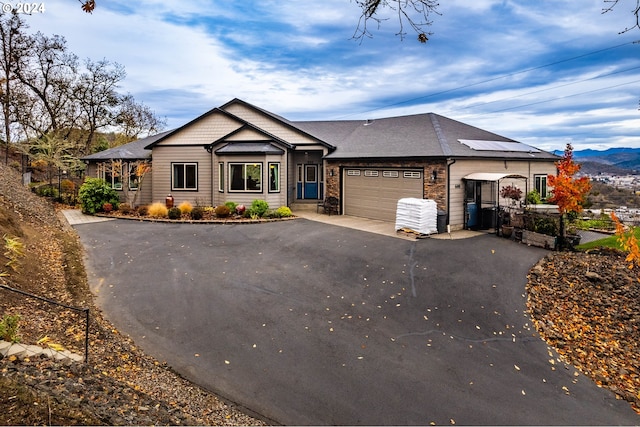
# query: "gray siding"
[[164, 157]]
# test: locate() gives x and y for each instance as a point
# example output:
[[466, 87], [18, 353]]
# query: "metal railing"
[[59, 304]]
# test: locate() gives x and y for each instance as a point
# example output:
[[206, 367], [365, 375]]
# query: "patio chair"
[[329, 205]]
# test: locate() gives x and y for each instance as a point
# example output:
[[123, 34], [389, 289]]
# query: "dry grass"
[[185, 208], [158, 210]]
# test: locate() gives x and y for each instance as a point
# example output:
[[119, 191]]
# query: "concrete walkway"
[[385, 228], [76, 217], [21, 351]]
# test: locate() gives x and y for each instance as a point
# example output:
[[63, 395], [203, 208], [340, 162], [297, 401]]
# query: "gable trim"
[[246, 126]]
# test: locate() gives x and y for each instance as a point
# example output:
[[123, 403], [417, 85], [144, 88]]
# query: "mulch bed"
[[587, 306]]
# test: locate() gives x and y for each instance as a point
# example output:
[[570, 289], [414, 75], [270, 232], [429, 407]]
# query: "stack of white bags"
[[419, 215]]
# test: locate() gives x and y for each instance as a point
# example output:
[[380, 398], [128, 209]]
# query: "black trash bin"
[[442, 222], [488, 218]]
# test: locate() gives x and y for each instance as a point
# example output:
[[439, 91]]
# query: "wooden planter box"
[[540, 240]]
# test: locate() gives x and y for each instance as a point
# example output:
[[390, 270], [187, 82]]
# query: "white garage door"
[[374, 193]]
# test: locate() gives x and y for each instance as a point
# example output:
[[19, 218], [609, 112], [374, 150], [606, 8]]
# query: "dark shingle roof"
[[132, 151], [420, 135]]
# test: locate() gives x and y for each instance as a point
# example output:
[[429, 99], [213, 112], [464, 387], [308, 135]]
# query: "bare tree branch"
[[636, 12], [414, 13]]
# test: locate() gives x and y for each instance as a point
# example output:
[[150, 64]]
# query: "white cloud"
[[296, 59]]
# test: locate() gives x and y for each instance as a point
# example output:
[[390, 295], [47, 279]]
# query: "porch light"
[[434, 175]]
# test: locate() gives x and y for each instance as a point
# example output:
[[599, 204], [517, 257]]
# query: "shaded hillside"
[[120, 385], [619, 161], [604, 196], [595, 168]]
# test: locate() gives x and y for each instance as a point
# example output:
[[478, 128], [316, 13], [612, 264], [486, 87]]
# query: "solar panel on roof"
[[483, 145]]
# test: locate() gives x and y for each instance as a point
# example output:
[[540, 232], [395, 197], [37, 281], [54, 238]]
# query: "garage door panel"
[[376, 197]]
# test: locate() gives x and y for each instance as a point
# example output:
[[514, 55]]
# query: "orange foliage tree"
[[569, 192], [628, 242]]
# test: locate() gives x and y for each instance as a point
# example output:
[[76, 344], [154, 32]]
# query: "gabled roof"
[[134, 150], [413, 136], [246, 126], [282, 120], [197, 119]]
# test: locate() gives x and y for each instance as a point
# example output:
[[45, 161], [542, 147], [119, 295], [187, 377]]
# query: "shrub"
[[240, 209], [546, 226], [185, 208], [143, 210], [158, 210], [68, 192], [174, 213], [258, 208], [271, 213], [67, 186], [283, 212], [533, 197], [125, 208], [222, 211], [107, 207], [94, 193], [16, 165], [197, 213], [231, 205], [9, 328], [47, 191]]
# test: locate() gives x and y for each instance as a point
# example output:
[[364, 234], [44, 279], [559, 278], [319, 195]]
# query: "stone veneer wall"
[[435, 190]]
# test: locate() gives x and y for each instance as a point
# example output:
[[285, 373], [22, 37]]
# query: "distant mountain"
[[618, 161]]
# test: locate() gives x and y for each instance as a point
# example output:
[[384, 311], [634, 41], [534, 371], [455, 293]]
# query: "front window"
[[134, 179], [541, 185], [274, 177], [184, 176], [470, 191], [221, 177], [245, 177], [112, 173]]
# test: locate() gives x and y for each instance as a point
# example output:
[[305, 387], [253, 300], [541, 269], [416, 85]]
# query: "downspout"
[[446, 150], [450, 162], [209, 149]]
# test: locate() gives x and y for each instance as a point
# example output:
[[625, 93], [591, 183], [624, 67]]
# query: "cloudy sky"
[[544, 72]]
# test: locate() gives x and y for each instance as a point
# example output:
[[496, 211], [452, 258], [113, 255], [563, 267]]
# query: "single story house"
[[239, 152]]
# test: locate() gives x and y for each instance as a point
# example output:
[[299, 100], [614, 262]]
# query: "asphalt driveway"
[[306, 323]]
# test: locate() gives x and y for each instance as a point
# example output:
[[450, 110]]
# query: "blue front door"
[[310, 181]]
